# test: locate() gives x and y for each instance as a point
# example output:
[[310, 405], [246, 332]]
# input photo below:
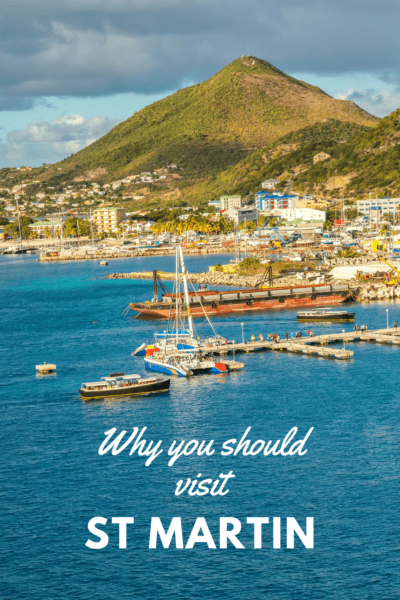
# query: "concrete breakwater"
[[203, 278], [110, 253], [358, 261], [372, 292]]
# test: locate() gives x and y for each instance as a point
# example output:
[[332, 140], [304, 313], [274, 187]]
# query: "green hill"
[[367, 162], [360, 161], [209, 127], [289, 158]]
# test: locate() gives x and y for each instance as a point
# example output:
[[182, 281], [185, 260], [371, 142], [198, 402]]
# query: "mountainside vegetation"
[[288, 158], [247, 123], [361, 160], [206, 128]]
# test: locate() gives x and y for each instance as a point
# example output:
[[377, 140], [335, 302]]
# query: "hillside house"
[[269, 184]]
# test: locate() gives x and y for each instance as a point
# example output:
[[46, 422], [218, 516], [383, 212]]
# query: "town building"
[[40, 228], [230, 202], [305, 214], [238, 215], [269, 184], [320, 157], [266, 202], [215, 203], [106, 220], [380, 205]]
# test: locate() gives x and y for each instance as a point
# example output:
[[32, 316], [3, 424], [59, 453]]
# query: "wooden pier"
[[312, 345]]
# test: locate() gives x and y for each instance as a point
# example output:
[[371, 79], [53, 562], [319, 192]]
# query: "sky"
[[72, 70]]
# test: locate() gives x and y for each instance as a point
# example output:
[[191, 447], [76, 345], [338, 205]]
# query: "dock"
[[312, 345]]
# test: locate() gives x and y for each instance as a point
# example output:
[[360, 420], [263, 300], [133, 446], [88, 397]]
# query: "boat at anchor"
[[325, 315]]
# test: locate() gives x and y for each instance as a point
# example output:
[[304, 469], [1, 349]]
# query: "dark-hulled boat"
[[119, 384], [325, 315]]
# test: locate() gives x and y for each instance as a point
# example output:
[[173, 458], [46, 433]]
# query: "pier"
[[312, 345]]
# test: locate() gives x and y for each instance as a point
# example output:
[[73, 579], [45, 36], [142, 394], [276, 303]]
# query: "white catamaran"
[[180, 351]]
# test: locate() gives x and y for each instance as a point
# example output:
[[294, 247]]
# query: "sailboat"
[[183, 337], [179, 352]]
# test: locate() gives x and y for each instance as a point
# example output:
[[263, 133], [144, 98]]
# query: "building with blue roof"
[[265, 201]]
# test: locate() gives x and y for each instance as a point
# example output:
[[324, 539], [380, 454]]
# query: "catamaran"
[[179, 335], [180, 351]]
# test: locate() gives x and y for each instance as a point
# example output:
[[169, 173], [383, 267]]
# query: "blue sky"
[[69, 72]]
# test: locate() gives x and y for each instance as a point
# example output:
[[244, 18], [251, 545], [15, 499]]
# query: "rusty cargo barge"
[[215, 302]]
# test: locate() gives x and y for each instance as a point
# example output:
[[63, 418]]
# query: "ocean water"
[[53, 480]]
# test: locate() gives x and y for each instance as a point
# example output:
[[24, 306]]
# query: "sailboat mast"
[[185, 288], [176, 298], [19, 222]]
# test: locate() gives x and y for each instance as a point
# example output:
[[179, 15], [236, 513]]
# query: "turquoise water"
[[53, 481]]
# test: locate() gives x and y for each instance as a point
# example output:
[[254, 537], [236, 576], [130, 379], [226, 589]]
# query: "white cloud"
[[379, 103], [50, 141]]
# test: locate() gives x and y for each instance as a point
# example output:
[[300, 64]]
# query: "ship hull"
[[162, 310]]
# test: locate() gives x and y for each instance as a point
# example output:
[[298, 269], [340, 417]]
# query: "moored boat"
[[186, 365], [119, 384], [325, 315]]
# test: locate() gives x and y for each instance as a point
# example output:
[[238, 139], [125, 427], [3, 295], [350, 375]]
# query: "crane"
[[395, 280]]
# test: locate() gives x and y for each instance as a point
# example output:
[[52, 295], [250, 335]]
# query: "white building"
[[230, 202], [306, 214], [382, 205], [238, 215], [269, 184]]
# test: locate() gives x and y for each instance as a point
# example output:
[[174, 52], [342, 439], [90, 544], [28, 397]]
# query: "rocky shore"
[[353, 262], [214, 278], [363, 291], [372, 292]]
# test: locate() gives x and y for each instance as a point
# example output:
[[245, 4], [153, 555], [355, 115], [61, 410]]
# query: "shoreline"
[[363, 292]]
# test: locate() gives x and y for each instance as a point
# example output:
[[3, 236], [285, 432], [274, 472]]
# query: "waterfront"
[[54, 481]]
